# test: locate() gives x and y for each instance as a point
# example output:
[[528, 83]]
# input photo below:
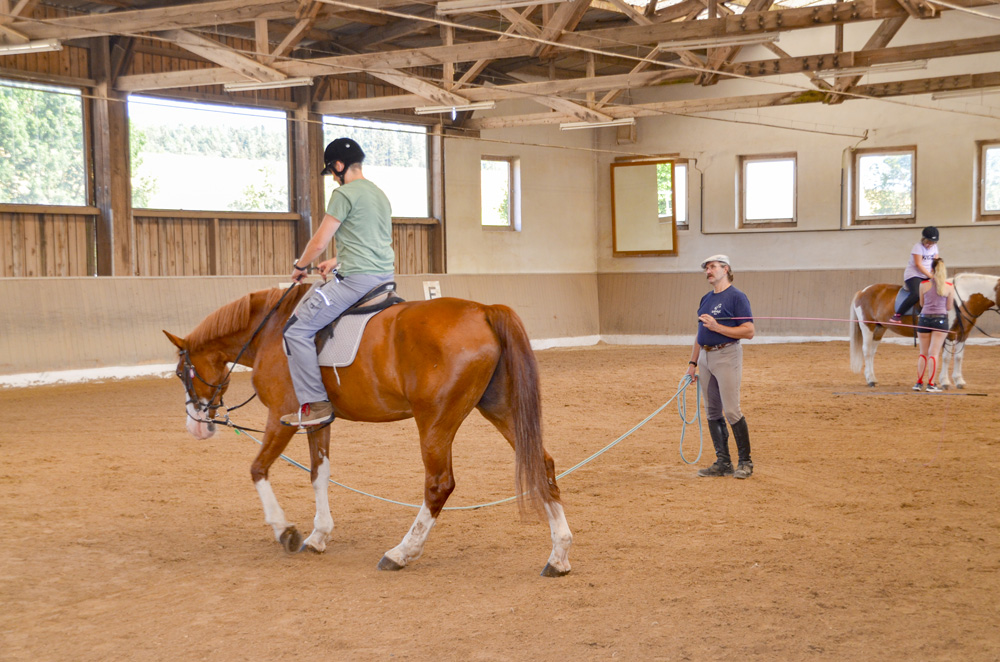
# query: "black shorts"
[[930, 323]]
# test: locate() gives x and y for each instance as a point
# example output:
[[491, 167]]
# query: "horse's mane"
[[236, 315]]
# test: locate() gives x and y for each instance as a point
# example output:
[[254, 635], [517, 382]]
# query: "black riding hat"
[[344, 150], [931, 233]]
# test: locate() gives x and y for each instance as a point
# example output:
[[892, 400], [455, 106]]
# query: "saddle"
[[903, 293], [337, 343]]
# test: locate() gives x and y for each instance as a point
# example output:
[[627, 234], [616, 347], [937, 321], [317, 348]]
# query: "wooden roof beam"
[[223, 55], [566, 17]]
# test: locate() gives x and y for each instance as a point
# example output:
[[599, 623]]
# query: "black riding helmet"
[[344, 150], [930, 233]]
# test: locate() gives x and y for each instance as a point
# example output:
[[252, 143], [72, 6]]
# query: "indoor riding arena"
[[160, 160]]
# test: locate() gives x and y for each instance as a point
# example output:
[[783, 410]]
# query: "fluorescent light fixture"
[[716, 42], [268, 85], [469, 6], [478, 105], [875, 69], [41, 46], [570, 126], [958, 94]]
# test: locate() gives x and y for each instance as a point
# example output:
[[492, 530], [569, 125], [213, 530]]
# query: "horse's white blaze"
[[562, 538], [198, 424], [323, 521], [273, 514], [412, 545]]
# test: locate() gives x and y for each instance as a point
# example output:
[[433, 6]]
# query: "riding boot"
[[742, 435], [720, 439]]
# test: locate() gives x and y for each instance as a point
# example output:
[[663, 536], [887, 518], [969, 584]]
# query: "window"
[[767, 191], [883, 185], [41, 145], [499, 190], [664, 186], [988, 181], [395, 160], [206, 157]]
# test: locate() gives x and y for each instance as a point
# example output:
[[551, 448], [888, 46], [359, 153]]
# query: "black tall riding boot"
[[720, 439], [742, 435]]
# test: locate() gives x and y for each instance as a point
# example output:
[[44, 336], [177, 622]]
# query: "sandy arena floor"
[[870, 529]]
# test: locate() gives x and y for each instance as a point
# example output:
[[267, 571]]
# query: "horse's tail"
[[857, 355], [517, 361]]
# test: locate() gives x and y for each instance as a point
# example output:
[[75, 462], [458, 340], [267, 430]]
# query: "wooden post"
[[307, 158], [112, 177], [437, 248]]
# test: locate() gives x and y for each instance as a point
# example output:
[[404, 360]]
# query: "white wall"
[[558, 222], [566, 189]]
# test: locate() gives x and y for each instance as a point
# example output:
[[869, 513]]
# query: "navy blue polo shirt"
[[728, 303]]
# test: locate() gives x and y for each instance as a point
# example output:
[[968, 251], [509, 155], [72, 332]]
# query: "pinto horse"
[[872, 307], [431, 360]]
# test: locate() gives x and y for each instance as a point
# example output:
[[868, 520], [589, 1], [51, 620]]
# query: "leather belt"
[[712, 348]]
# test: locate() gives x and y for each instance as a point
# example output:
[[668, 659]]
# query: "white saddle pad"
[[340, 350]]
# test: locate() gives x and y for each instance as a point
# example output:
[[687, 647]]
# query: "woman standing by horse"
[[937, 297]]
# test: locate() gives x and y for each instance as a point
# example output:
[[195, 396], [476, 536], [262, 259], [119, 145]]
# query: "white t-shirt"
[[927, 255]]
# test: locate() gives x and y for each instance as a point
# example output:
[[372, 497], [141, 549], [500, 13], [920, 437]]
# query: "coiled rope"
[[681, 410]]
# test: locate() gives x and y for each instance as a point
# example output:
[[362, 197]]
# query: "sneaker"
[[933, 388], [743, 470], [918, 386], [311, 413], [896, 319], [717, 469]]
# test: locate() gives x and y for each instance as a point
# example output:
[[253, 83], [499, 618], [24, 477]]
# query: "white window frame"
[[743, 191], [855, 187], [983, 214], [514, 199]]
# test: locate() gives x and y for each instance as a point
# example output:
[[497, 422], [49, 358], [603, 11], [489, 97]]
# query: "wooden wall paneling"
[[155, 244], [141, 246], [32, 242]]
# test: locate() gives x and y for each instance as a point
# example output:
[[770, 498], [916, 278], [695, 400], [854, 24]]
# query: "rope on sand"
[[681, 410]]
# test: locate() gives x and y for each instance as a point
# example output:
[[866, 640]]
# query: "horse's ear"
[[180, 343]]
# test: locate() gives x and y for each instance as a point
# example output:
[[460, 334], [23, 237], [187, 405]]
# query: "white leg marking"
[[868, 346], [412, 545], [273, 514], [562, 538], [957, 370], [323, 521]]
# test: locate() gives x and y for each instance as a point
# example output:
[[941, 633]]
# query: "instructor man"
[[724, 319]]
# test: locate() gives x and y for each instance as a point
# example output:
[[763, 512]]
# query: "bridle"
[[961, 308], [187, 373]]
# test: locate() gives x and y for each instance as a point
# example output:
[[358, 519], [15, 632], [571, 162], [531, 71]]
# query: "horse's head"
[[205, 378]]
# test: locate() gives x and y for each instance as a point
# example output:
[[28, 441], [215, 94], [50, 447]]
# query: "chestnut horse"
[[431, 360], [872, 307]]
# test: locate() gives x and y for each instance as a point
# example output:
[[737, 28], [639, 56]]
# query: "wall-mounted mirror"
[[643, 201]]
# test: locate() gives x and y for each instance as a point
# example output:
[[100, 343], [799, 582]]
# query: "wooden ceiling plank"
[[194, 15], [261, 38], [719, 56], [223, 55], [882, 35], [566, 18]]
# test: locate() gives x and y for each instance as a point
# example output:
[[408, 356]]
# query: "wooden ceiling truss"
[[575, 59]]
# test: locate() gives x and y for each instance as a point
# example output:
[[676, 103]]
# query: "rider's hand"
[[298, 274], [326, 267], [692, 372]]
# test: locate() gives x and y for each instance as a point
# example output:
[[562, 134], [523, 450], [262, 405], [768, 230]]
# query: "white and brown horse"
[[872, 307]]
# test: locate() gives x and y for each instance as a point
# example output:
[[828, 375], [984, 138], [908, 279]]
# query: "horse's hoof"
[[550, 571], [388, 564], [962, 386], [291, 540], [309, 548], [871, 384]]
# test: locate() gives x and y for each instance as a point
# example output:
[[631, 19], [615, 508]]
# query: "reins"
[[192, 372]]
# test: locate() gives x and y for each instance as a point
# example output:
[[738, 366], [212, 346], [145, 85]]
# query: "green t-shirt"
[[364, 238]]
